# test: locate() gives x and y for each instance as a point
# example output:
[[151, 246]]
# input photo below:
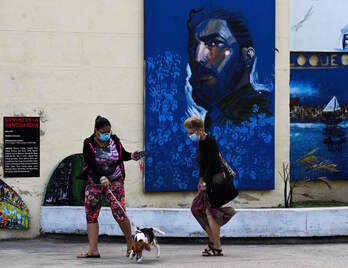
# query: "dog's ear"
[[136, 247], [142, 244], [147, 246]]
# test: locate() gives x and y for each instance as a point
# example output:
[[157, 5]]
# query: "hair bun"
[[100, 122]]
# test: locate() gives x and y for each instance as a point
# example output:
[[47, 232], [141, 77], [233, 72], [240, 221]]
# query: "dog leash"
[[131, 222], [119, 204]]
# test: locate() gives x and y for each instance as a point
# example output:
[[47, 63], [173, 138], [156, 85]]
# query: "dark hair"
[[235, 23], [101, 122]]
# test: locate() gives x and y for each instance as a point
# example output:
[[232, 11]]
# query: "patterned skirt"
[[201, 203]]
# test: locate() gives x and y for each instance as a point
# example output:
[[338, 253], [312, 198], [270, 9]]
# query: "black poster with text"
[[21, 147]]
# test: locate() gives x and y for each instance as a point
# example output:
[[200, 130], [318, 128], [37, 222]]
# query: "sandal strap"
[[207, 252], [207, 248], [216, 251]]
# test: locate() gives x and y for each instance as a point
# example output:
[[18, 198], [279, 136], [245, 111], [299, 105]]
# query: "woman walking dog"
[[210, 217], [104, 155]]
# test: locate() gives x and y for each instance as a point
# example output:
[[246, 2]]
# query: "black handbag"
[[221, 189]]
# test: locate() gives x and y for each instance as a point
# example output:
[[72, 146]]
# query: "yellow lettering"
[[301, 60], [314, 60], [344, 59], [334, 60], [326, 63]]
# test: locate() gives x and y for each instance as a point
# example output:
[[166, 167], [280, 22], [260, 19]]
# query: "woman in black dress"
[[208, 157]]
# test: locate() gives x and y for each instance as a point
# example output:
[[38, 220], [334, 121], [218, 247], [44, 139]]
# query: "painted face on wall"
[[215, 61]]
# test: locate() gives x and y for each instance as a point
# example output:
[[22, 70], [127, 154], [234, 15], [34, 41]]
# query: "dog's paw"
[[131, 255]]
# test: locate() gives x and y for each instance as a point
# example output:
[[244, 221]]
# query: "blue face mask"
[[194, 137], [104, 136]]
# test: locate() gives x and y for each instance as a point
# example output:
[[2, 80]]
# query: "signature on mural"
[[14, 214]]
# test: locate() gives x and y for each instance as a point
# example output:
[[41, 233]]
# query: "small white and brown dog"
[[143, 238]]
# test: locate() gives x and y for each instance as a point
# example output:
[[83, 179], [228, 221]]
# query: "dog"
[[143, 238]]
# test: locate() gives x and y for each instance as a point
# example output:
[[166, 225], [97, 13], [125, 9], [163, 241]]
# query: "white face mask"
[[194, 137]]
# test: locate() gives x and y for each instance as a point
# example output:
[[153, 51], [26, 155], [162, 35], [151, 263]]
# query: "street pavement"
[[46, 252]]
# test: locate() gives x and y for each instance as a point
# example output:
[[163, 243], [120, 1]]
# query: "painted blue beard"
[[207, 95]]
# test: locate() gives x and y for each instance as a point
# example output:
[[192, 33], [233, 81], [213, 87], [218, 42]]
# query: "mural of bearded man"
[[221, 58]]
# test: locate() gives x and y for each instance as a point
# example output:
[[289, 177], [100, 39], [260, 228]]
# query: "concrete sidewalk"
[[62, 253]]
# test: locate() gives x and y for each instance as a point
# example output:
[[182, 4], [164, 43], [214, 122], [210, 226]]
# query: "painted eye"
[[215, 43]]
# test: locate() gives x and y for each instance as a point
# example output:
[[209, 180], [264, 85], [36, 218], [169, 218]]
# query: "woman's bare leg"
[[215, 230], [209, 233], [127, 231], [93, 233]]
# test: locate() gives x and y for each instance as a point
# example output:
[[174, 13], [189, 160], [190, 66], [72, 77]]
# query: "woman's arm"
[[212, 158], [89, 158], [125, 155]]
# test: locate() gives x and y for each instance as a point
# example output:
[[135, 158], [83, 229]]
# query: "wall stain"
[[248, 197], [24, 192], [195, 234], [43, 116], [183, 205], [18, 114], [42, 133]]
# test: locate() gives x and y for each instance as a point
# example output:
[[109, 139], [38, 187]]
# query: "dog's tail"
[[158, 231]]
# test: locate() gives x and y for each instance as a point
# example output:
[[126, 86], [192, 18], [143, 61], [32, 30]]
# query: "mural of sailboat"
[[14, 213], [334, 135]]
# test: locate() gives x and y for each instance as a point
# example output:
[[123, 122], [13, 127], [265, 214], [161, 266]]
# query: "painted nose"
[[202, 53]]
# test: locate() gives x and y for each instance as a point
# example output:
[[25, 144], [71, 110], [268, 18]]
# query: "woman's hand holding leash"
[[105, 182], [202, 186]]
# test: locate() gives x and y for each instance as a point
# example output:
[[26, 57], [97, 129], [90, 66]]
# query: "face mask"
[[104, 136], [194, 137]]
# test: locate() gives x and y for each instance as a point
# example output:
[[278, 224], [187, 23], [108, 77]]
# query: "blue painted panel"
[[241, 118], [314, 82]]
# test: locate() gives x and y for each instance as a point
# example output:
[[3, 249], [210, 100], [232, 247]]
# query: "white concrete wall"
[[303, 222], [70, 60]]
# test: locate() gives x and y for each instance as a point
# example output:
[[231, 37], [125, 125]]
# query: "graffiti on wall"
[[214, 59], [64, 189], [14, 214], [318, 86]]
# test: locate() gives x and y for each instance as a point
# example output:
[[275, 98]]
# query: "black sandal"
[[217, 251], [214, 251], [207, 251], [85, 255]]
